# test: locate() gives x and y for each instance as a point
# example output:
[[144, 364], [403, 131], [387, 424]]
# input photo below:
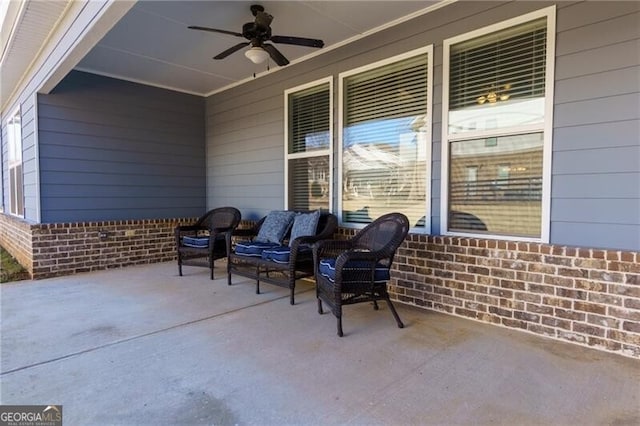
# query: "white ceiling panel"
[[152, 44]]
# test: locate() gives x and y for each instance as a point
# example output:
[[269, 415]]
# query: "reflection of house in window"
[[503, 176], [472, 180]]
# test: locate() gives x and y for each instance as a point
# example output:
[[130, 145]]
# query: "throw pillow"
[[275, 227], [304, 224]]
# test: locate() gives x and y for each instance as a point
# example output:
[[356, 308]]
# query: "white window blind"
[[385, 140], [309, 147], [498, 80]]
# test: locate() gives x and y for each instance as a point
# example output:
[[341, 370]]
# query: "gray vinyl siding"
[[596, 143], [115, 150], [595, 196], [30, 160]]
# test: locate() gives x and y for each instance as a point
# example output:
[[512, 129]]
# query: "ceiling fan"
[[258, 33]]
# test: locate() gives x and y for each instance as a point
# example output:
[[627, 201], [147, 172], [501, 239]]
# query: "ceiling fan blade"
[[230, 50], [298, 41], [214, 30], [275, 54]]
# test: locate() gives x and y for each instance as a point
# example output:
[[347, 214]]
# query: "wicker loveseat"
[[279, 263]]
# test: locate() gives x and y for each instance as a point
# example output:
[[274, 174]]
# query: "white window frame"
[[546, 127], [13, 163], [317, 153], [429, 136]]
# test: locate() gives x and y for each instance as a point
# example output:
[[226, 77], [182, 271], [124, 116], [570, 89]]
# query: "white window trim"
[[546, 127], [318, 153], [11, 164], [422, 50]]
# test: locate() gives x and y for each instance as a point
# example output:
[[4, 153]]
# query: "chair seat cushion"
[[278, 254], [195, 242], [253, 248], [352, 271], [282, 254]]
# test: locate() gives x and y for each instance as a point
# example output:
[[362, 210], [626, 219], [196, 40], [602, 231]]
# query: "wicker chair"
[[208, 239], [357, 270]]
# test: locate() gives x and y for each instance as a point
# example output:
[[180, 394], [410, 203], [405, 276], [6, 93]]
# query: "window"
[[385, 139], [497, 112], [14, 157], [308, 130]]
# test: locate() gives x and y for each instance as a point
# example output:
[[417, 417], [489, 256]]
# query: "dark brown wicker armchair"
[[357, 270], [208, 239]]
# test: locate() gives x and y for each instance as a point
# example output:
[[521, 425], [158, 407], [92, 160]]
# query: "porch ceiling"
[[151, 44]]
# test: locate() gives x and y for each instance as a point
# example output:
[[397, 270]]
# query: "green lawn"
[[10, 270]]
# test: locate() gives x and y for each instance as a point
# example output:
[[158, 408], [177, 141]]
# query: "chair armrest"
[[330, 249], [245, 232], [189, 228]]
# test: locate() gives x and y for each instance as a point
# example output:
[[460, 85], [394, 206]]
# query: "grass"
[[10, 270]]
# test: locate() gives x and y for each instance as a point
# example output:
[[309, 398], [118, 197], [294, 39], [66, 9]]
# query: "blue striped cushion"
[[327, 269], [278, 254], [253, 248], [196, 242]]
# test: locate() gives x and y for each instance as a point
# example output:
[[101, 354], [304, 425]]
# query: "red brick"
[[631, 326], [500, 312], [623, 336], [603, 321], [540, 329], [514, 323], [589, 307], [588, 329], [526, 316], [558, 281], [572, 315]]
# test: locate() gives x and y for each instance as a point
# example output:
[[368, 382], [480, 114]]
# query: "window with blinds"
[[495, 140], [498, 80], [309, 123], [14, 157], [386, 140]]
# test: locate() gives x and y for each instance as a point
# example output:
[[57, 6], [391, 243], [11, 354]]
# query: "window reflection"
[[384, 169], [503, 193]]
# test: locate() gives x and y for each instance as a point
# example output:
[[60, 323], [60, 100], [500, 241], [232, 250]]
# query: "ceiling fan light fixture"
[[256, 55]]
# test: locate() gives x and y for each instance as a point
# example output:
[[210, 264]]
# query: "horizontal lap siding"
[[114, 150], [596, 144]]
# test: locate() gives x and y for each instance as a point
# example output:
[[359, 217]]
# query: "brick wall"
[[69, 248], [15, 237], [585, 296]]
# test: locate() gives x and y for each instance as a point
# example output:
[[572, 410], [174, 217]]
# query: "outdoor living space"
[[141, 345]]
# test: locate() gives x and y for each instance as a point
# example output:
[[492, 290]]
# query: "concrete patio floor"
[[141, 345]]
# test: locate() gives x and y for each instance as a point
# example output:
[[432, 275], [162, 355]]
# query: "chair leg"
[[375, 305], [179, 264], [257, 286], [338, 313], [320, 306], [291, 297], [393, 311], [211, 267]]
